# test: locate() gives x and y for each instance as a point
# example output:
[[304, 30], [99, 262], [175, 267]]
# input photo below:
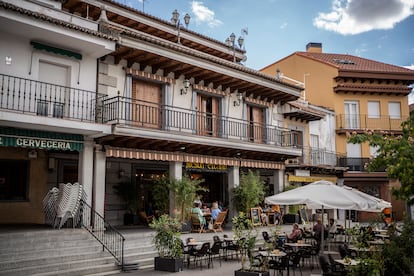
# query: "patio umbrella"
[[327, 195]]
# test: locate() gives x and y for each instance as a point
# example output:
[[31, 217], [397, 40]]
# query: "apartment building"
[[100, 93], [364, 95]]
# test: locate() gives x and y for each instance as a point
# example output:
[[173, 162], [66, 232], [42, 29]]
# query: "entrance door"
[[146, 104], [207, 116], [255, 118]]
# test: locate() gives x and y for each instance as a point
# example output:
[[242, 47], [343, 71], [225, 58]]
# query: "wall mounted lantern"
[[239, 97], [187, 85]]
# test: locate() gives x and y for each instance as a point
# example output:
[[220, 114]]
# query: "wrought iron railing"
[[110, 238], [316, 156], [364, 121], [357, 164], [46, 99], [122, 110]]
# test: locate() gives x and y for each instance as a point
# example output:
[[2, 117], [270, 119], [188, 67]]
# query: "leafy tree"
[[396, 153], [185, 191], [249, 193], [160, 194]]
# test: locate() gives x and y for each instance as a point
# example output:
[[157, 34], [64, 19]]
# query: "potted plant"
[[168, 243], [249, 193], [246, 235], [185, 190]]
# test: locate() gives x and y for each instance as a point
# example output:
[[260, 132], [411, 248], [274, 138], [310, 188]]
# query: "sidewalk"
[[227, 267]]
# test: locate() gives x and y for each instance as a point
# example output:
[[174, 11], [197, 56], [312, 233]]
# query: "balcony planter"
[[251, 273], [168, 264]]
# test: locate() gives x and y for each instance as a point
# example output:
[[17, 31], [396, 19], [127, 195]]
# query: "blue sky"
[[382, 30]]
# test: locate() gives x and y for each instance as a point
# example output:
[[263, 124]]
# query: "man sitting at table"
[[296, 234]]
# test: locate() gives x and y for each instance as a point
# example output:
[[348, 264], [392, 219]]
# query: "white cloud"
[[284, 25], [204, 14], [349, 17]]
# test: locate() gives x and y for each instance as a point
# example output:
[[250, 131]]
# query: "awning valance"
[[55, 50], [186, 157], [26, 138]]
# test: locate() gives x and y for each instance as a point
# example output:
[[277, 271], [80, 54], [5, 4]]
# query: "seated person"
[[263, 216], [215, 210], [205, 209], [296, 234], [196, 209], [278, 214]]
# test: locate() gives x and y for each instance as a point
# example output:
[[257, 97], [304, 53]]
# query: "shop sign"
[[202, 166], [39, 143], [11, 137]]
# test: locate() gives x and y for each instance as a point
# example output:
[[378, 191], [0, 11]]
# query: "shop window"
[[14, 180]]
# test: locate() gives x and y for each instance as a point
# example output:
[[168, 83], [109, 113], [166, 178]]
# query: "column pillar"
[[234, 181], [176, 172], [99, 180], [86, 169]]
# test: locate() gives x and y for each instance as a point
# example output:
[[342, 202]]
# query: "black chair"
[[202, 254], [295, 259], [230, 245], [269, 240], [279, 265], [311, 253], [216, 251], [329, 269]]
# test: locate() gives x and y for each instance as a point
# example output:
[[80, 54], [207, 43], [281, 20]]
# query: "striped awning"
[[185, 157]]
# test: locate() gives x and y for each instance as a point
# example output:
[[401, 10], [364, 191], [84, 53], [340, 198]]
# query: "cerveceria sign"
[[40, 140]]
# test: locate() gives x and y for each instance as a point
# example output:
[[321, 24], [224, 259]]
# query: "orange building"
[[364, 94]]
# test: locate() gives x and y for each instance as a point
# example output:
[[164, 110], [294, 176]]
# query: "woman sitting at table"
[[296, 234], [196, 209]]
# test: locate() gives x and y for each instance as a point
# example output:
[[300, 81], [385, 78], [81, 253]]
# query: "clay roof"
[[358, 64]]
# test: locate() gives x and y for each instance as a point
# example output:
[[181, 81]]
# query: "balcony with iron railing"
[[316, 157], [362, 122], [357, 164], [141, 114], [48, 100]]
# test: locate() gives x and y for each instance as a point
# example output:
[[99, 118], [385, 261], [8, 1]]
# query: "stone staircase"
[[48, 251], [53, 252]]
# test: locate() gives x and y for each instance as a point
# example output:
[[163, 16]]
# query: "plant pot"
[[251, 273], [131, 219], [168, 264]]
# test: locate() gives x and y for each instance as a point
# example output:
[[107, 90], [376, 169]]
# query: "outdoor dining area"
[[321, 246]]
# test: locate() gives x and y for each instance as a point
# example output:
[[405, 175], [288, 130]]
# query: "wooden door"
[[208, 109], [146, 104], [255, 118]]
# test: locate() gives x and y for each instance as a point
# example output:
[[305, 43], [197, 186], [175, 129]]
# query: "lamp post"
[[175, 19], [231, 43]]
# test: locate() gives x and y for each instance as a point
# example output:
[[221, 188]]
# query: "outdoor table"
[[273, 254], [296, 244], [351, 262], [377, 242]]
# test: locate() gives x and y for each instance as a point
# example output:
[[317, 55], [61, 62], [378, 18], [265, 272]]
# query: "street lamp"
[[175, 19], [230, 41]]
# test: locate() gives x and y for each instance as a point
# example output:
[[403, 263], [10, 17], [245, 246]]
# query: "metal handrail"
[[110, 238], [366, 121]]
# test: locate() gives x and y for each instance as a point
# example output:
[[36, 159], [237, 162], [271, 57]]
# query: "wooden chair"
[[195, 223], [145, 218], [218, 224]]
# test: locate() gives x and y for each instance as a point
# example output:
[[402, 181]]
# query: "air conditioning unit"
[[292, 161]]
